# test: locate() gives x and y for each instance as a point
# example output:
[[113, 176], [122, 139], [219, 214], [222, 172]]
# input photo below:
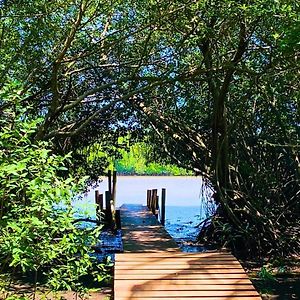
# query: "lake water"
[[187, 202]]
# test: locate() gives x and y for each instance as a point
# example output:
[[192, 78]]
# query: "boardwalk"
[[142, 233], [153, 267]]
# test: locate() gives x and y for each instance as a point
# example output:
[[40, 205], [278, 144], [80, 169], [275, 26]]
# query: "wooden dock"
[[153, 267], [142, 232]]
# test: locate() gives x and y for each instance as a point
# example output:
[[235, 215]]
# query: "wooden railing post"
[[113, 215], [156, 207], [153, 201], [109, 181], [97, 206], [148, 198], [163, 207], [100, 207], [96, 198], [108, 206], [114, 186], [100, 197]]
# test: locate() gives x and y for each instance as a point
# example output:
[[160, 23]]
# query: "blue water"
[[187, 203], [181, 221]]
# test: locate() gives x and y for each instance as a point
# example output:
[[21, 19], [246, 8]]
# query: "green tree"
[[37, 231], [67, 55], [225, 103], [217, 82]]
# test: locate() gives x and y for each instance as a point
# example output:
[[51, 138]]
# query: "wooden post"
[[153, 200], [163, 207], [114, 187], [113, 215], [156, 207], [96, 202], [118, 219], [107, 206], [100, 207], [109, 181], [96, 196], [100, 197], [148, 198]]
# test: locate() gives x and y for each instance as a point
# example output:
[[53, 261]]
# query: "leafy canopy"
[[37, 231]]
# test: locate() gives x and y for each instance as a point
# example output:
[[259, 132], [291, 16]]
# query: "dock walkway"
[[153, 267], [141, 232]]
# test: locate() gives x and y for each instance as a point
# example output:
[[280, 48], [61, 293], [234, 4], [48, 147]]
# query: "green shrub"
[[135, 161], [37, 233]]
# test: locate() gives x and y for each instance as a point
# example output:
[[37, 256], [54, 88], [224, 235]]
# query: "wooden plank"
[[178, 254], [181, 271], [178, 267], [176, 261], [170, 263], [168, 260], [232, 297], [176, 281], [160, 285], [154, 268], [181, 276], [141, 232], [181, 293]]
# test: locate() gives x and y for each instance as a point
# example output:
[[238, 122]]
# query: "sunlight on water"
[[186, 204]]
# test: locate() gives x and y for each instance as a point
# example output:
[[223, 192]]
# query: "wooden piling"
[[108, 215], [114, 186], [97, 204], [113, 215], [109, 181], [153, 201], [148, 198], [156, 207], [100, 202], [118, 219], [163, 207], [96, 196]]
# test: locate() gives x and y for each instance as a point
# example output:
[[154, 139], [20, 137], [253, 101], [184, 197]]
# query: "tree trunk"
[[220, 150]]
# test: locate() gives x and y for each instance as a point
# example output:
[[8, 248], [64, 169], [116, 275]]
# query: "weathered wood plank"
[[141, 231], [193, 298], [181, 276], [154, 268], [170, 264], [178, 267], [172, 294], [176, 281], [159, 285], [180, 271], [177, 255]]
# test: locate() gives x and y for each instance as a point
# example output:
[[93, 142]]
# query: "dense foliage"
[[37, 231], [230, 110], [139, 159], [214, 82]]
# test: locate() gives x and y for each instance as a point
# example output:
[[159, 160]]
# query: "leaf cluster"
[[37, 231]]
